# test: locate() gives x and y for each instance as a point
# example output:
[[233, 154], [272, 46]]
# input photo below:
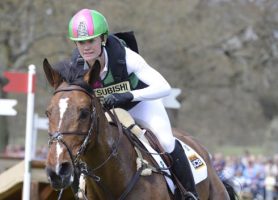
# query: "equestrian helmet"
[[87, 24]]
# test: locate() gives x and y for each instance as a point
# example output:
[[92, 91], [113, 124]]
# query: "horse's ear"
[[53, 77], [93, 74]]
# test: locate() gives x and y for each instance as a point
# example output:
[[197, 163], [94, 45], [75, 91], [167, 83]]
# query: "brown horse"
[[82, 141]]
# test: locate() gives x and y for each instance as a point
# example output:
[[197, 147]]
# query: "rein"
[[81, 167]]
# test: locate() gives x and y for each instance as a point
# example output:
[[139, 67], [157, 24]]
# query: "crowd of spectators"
[[253, 177]]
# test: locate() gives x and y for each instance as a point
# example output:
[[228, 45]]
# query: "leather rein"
[[81, 167]]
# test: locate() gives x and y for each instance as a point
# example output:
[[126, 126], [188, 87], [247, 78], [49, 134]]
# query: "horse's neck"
[[114, 153]]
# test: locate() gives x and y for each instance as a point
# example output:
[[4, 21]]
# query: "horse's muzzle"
[[61, 177]]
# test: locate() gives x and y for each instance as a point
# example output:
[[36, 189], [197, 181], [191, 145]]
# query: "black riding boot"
[[182, 170]]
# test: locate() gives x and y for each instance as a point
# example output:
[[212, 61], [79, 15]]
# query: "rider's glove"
[[117, 99]]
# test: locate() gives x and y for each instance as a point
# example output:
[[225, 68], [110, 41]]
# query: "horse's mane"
[[73, 74]]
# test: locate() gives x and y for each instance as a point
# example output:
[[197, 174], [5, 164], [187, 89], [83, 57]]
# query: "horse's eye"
[[84, 113]]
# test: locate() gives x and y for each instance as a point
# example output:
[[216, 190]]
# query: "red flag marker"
[[18, 82]]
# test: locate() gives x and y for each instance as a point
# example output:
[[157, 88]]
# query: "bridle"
[[57, 136]]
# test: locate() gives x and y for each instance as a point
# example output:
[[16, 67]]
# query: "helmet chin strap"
[[102, 47], [101, 52]]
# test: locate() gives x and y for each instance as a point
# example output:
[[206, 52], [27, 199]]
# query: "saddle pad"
[[161, 164], [197, 163]]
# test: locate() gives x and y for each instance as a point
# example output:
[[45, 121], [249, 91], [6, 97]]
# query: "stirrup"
[[189, 195]]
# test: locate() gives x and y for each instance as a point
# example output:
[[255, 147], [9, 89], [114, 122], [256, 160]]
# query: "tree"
[[24, 23]]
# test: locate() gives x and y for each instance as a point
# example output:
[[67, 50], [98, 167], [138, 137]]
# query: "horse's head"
[[72, 121]]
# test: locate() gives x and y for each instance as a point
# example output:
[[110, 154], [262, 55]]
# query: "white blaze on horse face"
[[63, 105], [59, 150]]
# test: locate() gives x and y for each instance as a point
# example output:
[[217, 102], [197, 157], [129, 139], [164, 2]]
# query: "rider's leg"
[[152, 115], [181, 168]]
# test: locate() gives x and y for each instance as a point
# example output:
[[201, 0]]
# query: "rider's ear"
[[53, 77], [93, 74]]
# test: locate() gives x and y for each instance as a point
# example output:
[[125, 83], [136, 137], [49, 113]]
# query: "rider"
[[129, 83]]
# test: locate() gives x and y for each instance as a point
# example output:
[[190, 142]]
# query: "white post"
[[34, 135], [28, 136]]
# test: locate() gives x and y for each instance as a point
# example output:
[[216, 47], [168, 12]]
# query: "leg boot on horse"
[[182, 170]]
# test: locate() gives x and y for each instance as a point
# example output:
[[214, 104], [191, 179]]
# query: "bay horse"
[[83, 143]]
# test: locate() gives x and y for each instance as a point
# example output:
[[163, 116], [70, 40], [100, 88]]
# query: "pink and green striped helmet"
[[87, 24]]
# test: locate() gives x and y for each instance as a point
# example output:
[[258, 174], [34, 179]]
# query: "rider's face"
[[90, 49]]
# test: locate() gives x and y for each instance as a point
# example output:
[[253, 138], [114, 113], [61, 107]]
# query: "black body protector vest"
[[117, 79]]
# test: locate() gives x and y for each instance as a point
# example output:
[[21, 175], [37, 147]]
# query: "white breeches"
[[152, 115]]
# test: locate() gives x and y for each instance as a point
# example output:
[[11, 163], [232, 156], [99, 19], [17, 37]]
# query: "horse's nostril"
[[51, 174], [65, 169]]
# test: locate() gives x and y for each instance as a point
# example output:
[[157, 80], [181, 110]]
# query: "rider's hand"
[[117, 99]]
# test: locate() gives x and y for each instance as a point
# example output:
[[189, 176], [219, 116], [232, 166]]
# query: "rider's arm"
[[157, 88]]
